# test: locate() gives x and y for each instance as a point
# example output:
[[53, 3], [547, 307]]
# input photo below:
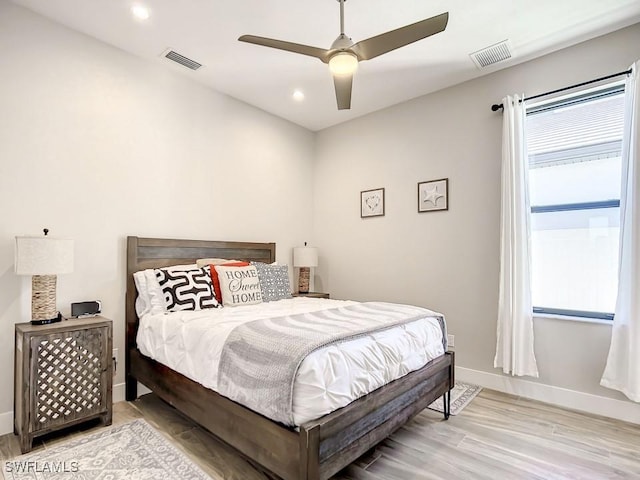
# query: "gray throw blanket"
[[260, 359]]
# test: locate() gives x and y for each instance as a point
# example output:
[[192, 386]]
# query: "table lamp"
[[43, 257], [304, 258]]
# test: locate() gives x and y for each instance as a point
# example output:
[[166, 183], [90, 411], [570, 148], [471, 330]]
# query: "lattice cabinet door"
[[63, 376]]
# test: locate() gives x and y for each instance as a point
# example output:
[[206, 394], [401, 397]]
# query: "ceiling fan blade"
[[343, 85], [386, 42], [320, 53]]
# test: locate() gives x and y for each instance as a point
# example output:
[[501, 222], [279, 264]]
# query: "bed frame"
[[321, 447]]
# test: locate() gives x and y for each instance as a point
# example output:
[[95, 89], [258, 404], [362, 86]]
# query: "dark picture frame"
[[433, 195], [372, 203]]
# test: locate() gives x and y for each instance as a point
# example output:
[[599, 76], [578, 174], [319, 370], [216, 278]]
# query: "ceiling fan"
[[344, 55]]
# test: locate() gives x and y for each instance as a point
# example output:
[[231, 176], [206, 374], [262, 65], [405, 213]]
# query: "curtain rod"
[[495, 107]]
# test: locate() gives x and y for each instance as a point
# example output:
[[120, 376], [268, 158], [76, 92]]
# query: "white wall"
[[448, 260], [96, 144]]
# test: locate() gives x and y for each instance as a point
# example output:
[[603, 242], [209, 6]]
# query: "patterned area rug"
[[461, 396], [130, 451]]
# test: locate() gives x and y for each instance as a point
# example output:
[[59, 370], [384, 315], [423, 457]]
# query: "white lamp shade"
[[43, 255], [305, 257]]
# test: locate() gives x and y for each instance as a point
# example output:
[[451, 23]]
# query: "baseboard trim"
[[142, 390], [119, 392], [6, 423], [571, 399]]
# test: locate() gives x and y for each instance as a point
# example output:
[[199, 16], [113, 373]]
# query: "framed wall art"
[[372, 203], [433, 195]]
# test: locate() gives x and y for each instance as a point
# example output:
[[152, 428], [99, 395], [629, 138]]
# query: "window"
[[574, 146]]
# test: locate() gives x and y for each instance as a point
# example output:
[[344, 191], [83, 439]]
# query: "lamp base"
[[43, 300], [303, 280]]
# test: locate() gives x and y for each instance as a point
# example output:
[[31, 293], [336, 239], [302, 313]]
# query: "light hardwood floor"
[[497, 437]]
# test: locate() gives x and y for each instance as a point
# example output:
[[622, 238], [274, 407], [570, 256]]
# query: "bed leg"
[[131, 389], [446, 398], [309, 453], [446, 401]]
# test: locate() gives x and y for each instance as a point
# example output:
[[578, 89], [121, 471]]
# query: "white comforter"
[[191, 343]]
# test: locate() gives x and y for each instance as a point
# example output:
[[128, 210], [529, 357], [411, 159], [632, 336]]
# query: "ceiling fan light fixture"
[[343, 63]]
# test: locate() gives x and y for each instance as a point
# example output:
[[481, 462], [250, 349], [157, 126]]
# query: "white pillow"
[[154, 292], [150, 295], [143, 304], [239, 285]]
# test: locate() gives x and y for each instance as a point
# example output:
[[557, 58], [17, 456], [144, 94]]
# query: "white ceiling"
[[207, 31]]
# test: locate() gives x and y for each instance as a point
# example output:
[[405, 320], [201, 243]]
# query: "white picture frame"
[[372, 203], [433, 195]]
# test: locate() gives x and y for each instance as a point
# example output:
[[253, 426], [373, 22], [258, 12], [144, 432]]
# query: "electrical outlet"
[[115, 361], [450, 340]]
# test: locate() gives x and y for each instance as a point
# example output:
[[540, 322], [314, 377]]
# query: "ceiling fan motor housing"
[[342, 43]]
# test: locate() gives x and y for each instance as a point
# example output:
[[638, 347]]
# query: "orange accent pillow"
[[216, 281]]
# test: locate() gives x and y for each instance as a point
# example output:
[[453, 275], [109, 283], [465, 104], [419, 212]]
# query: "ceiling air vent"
[[493, 54], [181, 59]]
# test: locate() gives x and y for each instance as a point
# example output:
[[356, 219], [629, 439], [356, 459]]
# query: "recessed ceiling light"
[[298, 95], [140, 12]]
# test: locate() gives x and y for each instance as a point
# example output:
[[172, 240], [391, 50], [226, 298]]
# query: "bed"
[[318, 448]]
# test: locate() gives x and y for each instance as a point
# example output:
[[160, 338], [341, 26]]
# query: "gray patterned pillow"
[[186, 289], [274, 281]]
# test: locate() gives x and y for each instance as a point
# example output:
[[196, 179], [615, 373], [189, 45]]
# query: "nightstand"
[[311, 295], [63, 376]]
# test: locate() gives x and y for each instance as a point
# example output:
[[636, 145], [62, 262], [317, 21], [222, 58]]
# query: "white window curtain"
[[514, 349], [623, 364]]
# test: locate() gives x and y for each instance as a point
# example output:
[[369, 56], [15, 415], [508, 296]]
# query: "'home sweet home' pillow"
[[186, 289], [214, 276], [239, 285]]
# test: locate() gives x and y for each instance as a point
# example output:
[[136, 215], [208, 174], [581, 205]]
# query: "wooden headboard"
[[143, 253]]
